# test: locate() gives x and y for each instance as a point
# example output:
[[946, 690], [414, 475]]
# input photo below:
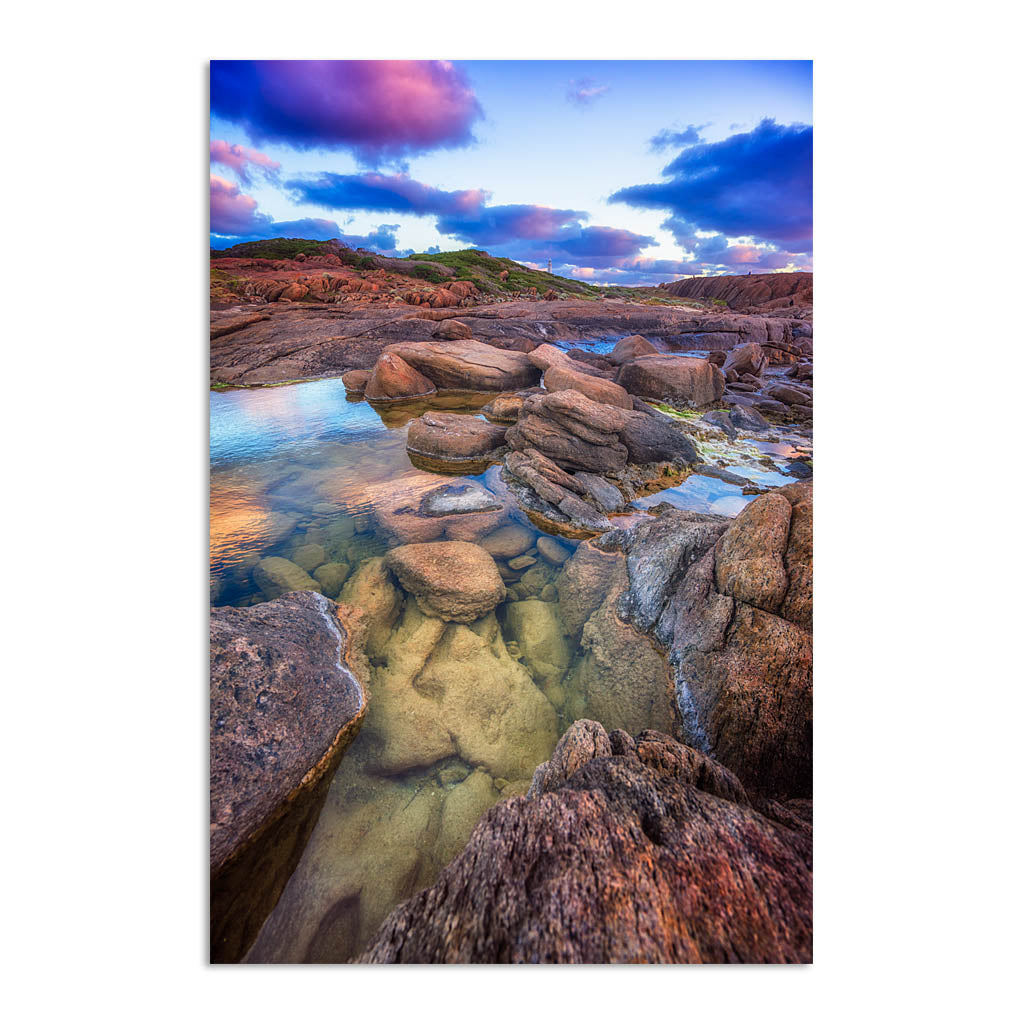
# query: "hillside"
[[742, 291]]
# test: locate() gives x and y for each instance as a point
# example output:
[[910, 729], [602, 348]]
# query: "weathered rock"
[[454, 439], [552, 551], [606, 496], [790, 394], [650, 436], [563, 378], [276, 576], [451, 580], [628, 860], [468, 365], [393, 379], [285, 702], [572, 431], [631, 348], [505, 408], [749, 358], [678, 380], [453, 330]]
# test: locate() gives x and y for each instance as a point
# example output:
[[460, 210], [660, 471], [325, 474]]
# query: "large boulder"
[[393, 379], [571, 430], [453, 330], [451, 580], [651, 436], [447, 440], [566, 378], [457, 510], [736, 615], [468, 365], [627, 349], [749, 358], [629, 851], [678, 380], [285, 702]]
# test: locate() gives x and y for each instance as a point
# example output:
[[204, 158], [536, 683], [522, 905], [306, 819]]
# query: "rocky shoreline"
[[682, 781]]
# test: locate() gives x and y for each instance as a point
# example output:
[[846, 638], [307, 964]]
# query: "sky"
[[619, 172]]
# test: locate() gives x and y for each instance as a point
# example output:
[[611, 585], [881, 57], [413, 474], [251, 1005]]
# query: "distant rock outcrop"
[[742, 291]]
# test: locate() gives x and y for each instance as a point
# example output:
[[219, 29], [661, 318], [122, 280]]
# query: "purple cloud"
[[585, 91], [757, 184], [241, 160], [390, 193], [383, 111]]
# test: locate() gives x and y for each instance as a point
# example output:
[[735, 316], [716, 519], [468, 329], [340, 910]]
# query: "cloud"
[[689, 136], [390, 193], [596, 247], [383, 111], [240, 160], [757, 184], [585, 91], [492, 226], [235, 217]]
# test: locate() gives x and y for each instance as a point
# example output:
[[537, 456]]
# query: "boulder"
[[572, 431], [636, 856], [507, 542], [451, 580], [749, 358], [628, 349], [650, 436], [371, 589], [505, 408], [393, 379], [468, 365], [276, 576], [309, 556], [563, 378], [789, 394], [331, 576], [453, 330], [551, 551], [458, 510], [355, 381], [450, 438], [678, 380], [537, 628], [285, 702]]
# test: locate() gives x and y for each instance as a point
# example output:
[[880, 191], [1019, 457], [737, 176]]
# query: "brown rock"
[[453, 330], [285, 702], [675, 379], [630, 348], [393, 379], [451, 438], [743, 359], [563, 378], [355, 381], [468, 365], [632, 857], [451, 580]]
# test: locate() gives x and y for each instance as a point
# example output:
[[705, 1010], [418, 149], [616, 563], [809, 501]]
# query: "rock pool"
[[311, 490]]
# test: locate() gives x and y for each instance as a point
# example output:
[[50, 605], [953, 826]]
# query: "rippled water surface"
[[459, 715]]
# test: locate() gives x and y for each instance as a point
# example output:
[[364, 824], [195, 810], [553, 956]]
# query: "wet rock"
[[585, 581], [463, 807], [355, 381], [451, 438], [717, 358], [331, 576], [799, 469], [625, 861], [276, 576], [522, 562], [461, 510], [285, 702], [552, 551], [393, 379], [468, 365], [452, 580], [631, 348], [562, 378], [505, 408], [507, 542], [738, 624], [371, 589], [538, 630], [309, 556], [580, 744], [677, 380], [789, 394]]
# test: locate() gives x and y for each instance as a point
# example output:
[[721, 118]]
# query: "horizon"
[[620, 172]]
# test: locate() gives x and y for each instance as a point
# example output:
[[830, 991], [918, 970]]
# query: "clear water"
[[459, 715]]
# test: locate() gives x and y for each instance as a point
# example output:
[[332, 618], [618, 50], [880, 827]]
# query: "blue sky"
[[524, 158]]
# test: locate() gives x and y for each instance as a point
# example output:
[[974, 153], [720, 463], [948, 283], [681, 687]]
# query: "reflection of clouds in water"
[[702, 494]]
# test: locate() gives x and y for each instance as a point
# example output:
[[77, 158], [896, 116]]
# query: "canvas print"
[[511, 500]]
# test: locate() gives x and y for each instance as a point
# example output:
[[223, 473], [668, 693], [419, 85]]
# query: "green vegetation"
[[271, 249], [421, 270]]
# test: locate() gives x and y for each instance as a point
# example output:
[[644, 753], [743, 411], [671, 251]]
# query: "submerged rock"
[[631, 853], [276, 576], [460, 510], [331, 576], [507, 541], [451, 580], [454, 439], [285, 702], [372, 590], [538, 630]]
